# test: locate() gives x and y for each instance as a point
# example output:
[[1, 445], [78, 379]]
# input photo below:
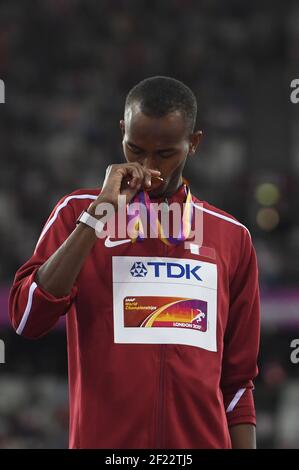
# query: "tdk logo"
[[175, 270], [170, 270], [138, 270]]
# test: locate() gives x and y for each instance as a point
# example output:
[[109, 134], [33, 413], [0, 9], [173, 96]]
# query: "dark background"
[[67, 67]]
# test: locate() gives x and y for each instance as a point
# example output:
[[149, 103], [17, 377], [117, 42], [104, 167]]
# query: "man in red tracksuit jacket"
[[162, 338]]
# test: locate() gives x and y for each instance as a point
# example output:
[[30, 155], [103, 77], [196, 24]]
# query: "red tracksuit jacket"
[[162, 340]]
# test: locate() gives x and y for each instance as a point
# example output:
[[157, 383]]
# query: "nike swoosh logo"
[[110, 244]]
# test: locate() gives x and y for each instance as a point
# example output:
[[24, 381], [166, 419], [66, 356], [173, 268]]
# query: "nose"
[[150, 162]]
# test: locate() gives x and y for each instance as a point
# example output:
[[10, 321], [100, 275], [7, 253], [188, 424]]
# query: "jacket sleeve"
[[33, 311], [241, 339]]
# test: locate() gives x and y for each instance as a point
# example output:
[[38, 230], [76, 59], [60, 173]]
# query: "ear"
[[194, 141], [122, 126]]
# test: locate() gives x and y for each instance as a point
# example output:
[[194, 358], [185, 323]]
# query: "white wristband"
[[91, 221]]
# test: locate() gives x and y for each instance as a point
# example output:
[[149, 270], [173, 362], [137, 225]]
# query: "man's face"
[[158, 143]]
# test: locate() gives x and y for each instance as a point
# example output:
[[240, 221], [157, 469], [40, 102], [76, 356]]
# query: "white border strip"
[[235, 400], [221, 216], [25, 315], [55, 215]]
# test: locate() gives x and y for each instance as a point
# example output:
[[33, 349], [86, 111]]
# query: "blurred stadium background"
[[67, 66]]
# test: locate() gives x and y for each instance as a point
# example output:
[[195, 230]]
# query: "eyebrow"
[[168, 149]]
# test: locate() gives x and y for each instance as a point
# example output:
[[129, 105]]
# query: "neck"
[[172, 187]]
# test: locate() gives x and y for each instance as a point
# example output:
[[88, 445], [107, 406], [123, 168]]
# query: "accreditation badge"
[[165, 301]]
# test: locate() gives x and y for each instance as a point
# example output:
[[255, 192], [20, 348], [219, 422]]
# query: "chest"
[[152, 293]]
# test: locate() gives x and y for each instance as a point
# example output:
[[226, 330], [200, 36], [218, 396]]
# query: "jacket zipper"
[[160, 420]]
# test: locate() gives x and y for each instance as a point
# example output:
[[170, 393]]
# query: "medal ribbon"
[[185, 229]]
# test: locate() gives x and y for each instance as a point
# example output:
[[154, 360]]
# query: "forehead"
[[166, 130]]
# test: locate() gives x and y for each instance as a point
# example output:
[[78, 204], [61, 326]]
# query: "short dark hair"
[[159, 95]]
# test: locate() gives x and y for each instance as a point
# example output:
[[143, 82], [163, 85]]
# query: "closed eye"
[[167, 154], [134, 149]]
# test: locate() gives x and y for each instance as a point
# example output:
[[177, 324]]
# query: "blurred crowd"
[[67, 67], [34, 412]]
